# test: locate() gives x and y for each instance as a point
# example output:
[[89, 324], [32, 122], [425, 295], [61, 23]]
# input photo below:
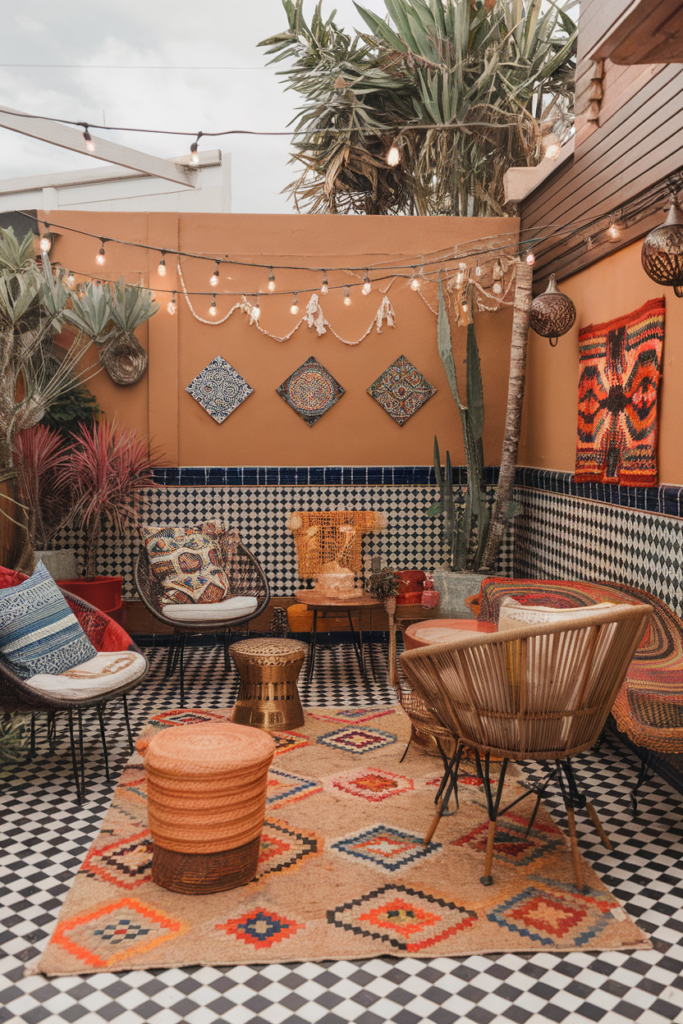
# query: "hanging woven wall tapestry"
[[620, 365]]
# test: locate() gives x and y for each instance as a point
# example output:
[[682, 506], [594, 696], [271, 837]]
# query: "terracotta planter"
[[104, 592]]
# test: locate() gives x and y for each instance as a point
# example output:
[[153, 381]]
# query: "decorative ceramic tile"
[[311, 391], [219, 389], [401, 390]]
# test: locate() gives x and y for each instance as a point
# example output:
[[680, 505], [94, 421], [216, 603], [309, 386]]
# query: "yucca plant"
[[106, 469], [498, 74]]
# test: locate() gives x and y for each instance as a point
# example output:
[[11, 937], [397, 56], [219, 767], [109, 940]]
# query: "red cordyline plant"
[[107, 468], [39, 454]]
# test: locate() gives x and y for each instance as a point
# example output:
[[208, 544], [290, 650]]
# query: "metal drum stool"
[[206, 787], [269, 669]]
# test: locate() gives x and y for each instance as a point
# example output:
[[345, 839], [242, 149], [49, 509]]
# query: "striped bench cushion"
[[38, 631]]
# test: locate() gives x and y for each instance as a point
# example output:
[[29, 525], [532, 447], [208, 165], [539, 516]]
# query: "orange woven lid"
[[211, 749]]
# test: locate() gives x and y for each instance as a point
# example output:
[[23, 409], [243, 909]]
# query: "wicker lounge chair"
[[537, 693], [17, 695], [247, 579]]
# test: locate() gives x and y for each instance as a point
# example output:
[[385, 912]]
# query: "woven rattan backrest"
[[540, 691]]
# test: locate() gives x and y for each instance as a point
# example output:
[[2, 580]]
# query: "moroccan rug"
[[343, 873], [619, 375]]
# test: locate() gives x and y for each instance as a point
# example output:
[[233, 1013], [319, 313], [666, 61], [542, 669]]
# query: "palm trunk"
[[92, 548], [513, 418]]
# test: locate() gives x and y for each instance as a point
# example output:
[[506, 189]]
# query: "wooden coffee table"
[[319, 603]]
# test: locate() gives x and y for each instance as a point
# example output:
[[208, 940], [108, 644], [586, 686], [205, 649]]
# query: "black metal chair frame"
[[247, 579], [17, 696]]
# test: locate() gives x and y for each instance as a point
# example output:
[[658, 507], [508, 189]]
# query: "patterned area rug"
[[343, 873]]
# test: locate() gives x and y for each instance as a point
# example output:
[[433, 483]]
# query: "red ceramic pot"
[[104, 592]]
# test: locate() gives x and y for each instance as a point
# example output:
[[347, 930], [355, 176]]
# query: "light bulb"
[[414, 281], [45, 244], [393, 156], [89, 144], [71, 280], [294, 308], [347, 297], [172, 306], [256, 310], [367, 287], [213, 280], [324, 288], [99, 259], [497, 287], [614, 232], [464, 305], [530, 258], [551, 146], [271, 281], [212, 307], [161, 269], [194, 155]]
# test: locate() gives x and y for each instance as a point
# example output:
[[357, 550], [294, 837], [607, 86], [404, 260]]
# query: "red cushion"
[[10, 577]]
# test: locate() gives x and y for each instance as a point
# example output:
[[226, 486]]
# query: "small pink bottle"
[[430, 597]]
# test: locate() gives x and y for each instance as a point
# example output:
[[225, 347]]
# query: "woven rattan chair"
[[16, 695], [247, 579], [538, 693]]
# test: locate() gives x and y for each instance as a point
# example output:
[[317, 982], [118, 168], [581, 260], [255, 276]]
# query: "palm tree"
[[461, 89]]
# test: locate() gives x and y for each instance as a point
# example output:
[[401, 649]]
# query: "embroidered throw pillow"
[[187, 562], [38, 631]]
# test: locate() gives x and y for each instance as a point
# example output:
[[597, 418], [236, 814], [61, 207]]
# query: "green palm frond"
[[498, 71]]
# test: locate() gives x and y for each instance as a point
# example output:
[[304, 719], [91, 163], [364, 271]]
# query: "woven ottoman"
[[206, 793], [268, 696]]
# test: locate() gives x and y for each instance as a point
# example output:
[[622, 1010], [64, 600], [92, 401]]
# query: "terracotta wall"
[[264, 430], [608, 289]]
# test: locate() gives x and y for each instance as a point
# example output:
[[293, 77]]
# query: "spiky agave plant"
[[464, 88], [39, 455], [120, 351], [106, 469]]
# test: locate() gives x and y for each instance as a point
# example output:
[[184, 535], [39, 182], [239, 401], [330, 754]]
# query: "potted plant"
[[39, 455], [106, 469], [473, 533]]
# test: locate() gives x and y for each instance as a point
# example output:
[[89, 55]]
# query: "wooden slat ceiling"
[[649, 32]]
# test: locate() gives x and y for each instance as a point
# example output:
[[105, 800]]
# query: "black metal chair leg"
[[312, 647], [407, 749], [80, 748], [32, 748], [52, 730], [170, 657], [74, 760], [103, 736], [227, 640], [127, 718], [642, 776], [182, 670], [176, 653]]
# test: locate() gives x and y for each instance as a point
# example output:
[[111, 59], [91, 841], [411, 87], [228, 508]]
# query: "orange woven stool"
[[206, 793], [269, 669]]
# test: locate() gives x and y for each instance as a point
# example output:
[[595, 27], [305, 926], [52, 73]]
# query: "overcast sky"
[[170, 33]]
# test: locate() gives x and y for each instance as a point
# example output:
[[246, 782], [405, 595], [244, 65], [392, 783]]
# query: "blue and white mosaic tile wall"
[[411, 541]]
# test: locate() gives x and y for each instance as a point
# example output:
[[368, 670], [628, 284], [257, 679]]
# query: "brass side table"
[[268, 696]]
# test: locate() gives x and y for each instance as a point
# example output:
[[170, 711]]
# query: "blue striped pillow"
[[38, 630]]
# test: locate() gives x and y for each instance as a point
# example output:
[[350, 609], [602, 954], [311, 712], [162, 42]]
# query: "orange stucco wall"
[[264, 430], [610, 288]]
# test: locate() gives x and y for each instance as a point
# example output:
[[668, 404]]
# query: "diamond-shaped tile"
[[401, 390], [219, 389], [311, 390]]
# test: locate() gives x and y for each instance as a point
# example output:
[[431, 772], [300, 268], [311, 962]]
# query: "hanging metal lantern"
[[662, 253], [553, 313]]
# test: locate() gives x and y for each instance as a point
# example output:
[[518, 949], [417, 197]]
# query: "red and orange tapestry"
[[620, 367]]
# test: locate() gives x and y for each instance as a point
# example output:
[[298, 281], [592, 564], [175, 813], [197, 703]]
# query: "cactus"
[[465, 527]]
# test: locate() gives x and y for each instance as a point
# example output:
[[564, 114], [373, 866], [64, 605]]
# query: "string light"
[[89, 143], [172, 306], [161, 269], [393, 156], [212, 308], [367, 287], [464, 303], [71, 280], [347, 297], [45, 243], [99, 259], [477, 269], [324, 288], [414, 281], [213, 280], [194, 155], [530, 258], [256, 309], [614, 232], [294, 308], [271, 281]]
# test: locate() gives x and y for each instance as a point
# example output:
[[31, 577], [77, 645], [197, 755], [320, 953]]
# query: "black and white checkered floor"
[[45, 835]]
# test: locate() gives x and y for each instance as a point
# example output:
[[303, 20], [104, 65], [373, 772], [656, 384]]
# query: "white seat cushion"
[[443, 635], [233, 608], [106, 671], [514, 615]]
